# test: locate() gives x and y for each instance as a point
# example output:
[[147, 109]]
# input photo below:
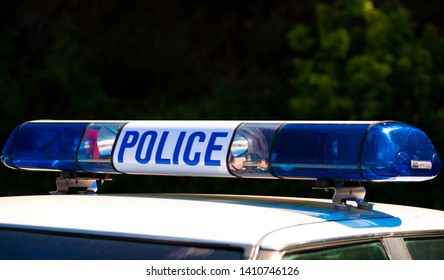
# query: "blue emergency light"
[[349, 151]]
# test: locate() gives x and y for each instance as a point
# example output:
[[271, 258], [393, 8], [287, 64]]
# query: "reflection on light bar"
[[355, 151]]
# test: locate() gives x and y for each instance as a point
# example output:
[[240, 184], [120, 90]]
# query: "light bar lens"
[[400, 152], [355, 151], [250, 150], [51, 146], [6, 152], [96, 147], [318, 151]]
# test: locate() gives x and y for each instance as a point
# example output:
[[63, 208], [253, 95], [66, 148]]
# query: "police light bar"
[[355, 151]]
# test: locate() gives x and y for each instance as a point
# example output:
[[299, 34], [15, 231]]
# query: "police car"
[[337, 155]]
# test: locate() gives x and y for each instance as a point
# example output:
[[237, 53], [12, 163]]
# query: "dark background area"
[[223, 60]]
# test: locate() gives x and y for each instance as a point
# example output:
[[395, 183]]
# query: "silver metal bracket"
[[356, 194], [89, 182], [342, 194]]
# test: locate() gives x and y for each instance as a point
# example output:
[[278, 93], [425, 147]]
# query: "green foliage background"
[[287, 60]]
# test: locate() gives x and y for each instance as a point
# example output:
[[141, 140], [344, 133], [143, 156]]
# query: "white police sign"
[[172, 147]]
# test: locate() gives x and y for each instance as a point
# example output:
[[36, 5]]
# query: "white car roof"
[[245, 221]]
